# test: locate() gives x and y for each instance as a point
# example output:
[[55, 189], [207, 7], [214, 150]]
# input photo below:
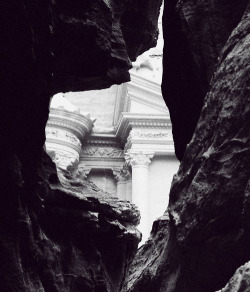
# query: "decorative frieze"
[[154, 135], [131, 121], [56, 134], [102, 152]]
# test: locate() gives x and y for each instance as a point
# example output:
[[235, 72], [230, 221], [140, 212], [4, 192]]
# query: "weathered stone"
[[100, 38], [208, 230], [240, 280], [64, 236], [194, 34], [75, 237]]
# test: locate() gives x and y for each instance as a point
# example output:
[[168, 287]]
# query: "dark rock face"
[[150, 270], [207, 236], [240, 280], [100, 38], [194, 34], [65, 236]]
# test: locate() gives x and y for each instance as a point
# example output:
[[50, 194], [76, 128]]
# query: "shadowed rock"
[[207, 235], [61, 236], [240, 280], [194, 34]]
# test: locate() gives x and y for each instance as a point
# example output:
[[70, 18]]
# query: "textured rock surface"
[[100, 38], [67, 236], [150, 268], [240, 280], [194, 34], [53, 237], [207, 235]]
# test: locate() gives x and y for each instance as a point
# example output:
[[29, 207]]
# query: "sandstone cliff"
[[204, 235], [61, 236]]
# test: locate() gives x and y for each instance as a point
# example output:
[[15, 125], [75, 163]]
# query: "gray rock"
[[240, 280]]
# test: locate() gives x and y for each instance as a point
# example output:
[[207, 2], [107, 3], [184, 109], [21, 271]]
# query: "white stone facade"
[[131, 156], [128, 149]]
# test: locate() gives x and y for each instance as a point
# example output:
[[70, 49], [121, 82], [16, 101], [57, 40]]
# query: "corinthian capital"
[[138, 158]]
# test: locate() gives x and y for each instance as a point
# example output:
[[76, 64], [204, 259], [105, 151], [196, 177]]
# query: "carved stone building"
[[124, 145], [119, 138]]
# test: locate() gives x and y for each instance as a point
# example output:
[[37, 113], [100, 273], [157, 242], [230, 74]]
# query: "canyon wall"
[[204, 235], [62, 235]]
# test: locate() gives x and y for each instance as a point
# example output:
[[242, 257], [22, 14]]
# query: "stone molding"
[[158, 140], [101, 142], [129, 121], [75, 123], [155, 135]]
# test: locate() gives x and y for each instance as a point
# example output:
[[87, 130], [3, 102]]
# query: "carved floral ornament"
[[102, 152], [138, 158]]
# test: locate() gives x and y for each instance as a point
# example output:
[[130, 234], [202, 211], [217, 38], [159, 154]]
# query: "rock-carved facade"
[[128, 155], [130, 149]]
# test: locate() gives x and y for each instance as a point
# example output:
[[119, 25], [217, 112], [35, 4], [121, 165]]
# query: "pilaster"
[[139, 162]]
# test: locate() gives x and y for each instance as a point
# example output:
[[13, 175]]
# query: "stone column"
[[139, 162], [129, 186]]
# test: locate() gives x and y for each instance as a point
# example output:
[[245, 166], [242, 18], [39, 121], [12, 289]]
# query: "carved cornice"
[[131, 120], [138, 158], [149, 136], [102, 140]]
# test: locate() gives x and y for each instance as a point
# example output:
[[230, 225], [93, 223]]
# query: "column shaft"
[[140, 196]]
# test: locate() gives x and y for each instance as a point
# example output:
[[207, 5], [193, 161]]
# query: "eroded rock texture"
[[207, 235], [240, 280], [194, 34], [65, 236], [100, 38]]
